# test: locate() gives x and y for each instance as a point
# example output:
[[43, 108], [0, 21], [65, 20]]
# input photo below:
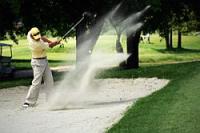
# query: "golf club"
[[85, 14]]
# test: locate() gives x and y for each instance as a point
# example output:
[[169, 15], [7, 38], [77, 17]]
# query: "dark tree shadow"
[[177, 50]]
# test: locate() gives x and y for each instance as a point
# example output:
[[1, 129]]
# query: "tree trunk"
[[166, 36], [171, 39], [133, 50], [179, 40], [80, 38], [119, 48], [86, 39]]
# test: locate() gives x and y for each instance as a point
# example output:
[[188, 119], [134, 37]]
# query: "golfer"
[[39, 63]]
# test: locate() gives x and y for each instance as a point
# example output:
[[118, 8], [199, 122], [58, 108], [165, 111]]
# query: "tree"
[[88, 32], [176, 15], [118, 30], [8, 13], [130, 22], [59, 15], [133, 50]]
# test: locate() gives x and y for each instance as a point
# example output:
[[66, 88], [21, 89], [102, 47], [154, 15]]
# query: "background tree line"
[[164, 16]]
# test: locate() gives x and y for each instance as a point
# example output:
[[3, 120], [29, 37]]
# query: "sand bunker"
[[93, 113]]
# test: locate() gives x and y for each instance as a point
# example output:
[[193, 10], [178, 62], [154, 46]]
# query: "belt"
[[40, 58]]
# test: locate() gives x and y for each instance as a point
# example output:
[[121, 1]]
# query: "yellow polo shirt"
[[38, 48]]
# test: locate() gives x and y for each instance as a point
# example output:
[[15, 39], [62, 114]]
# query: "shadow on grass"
[[24, 64], [164, 71], [178, 50], [50, 61]]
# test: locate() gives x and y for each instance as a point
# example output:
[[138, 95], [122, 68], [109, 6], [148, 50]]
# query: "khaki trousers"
[[41, 71]]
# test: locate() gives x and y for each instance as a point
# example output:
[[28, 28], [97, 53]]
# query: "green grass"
[[156, 52], [174, 109], [57, 56], [149, 53], [153, 53]]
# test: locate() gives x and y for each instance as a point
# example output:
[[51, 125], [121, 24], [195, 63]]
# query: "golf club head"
[[88, 15]]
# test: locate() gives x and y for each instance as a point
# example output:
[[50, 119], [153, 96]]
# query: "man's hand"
[[58, 41]]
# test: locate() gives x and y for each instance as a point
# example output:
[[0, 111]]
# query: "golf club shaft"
[[65, 35]]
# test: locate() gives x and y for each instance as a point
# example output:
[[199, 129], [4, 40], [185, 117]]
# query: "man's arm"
[[51, 44], [46, 40]]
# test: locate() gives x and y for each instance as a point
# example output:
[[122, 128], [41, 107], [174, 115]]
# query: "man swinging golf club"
[[41, 70], [39, 62]]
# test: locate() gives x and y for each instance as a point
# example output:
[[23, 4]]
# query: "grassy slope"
[[174, 109]]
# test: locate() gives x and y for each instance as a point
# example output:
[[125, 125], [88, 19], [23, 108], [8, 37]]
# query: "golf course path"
[[103, 108]]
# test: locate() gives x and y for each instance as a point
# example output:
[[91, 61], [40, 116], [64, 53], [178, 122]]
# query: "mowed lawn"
[[173, 109], [149, 53]]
